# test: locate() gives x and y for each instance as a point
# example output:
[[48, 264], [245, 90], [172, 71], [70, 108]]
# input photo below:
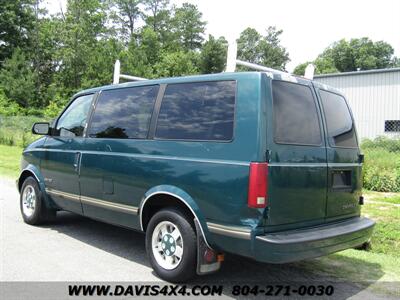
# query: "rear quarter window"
[[341, 131], [197, 111], [295, 114]]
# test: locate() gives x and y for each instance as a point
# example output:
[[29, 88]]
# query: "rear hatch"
[[314, 170], [343, 156]]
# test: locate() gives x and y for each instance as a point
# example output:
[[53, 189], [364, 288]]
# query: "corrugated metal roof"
[[358, 72]]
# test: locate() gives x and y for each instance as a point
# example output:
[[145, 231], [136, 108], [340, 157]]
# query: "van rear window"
[[341, 131], [295, 114], [197, 111]]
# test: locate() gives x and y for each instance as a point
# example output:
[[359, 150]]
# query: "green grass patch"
[[386, 236], [10, 157], [382, 197]]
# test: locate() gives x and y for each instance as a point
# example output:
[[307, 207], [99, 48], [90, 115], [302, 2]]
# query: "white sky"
[[309, 26]]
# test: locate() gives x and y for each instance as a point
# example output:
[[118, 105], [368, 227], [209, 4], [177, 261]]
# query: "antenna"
[[118, 75]]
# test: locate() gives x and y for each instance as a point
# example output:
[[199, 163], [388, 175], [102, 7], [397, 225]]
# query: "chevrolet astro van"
[[260, 164]]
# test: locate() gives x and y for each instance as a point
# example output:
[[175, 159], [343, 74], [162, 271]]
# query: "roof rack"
[[118, 75], [231, 63]]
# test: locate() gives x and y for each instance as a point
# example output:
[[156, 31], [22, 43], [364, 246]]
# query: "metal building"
[[374, 97]]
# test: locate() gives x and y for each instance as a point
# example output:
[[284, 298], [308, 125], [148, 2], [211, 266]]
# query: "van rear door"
[[343, 156], [297, 178]]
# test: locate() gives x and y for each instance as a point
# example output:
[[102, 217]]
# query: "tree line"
[[45, 58]]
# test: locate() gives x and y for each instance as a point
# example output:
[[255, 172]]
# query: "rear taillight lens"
[[258, 185]]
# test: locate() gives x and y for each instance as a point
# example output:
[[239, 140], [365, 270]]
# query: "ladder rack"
[[231, 63]]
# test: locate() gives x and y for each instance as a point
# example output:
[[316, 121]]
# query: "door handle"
[[76, 161]]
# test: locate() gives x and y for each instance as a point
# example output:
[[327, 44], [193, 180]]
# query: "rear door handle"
[[76, 161]]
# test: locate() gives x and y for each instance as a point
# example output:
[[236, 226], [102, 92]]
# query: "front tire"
[[171, 245], [33, 208]]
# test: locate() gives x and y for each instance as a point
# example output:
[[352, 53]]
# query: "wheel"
[[171, 246], [33, 208]]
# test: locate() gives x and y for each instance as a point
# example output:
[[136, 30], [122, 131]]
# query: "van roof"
[[209, 77]]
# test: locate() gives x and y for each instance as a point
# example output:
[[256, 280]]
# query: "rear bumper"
[[294, 245]]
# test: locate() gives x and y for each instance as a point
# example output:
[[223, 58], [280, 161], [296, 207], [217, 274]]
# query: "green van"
[[260, 164]]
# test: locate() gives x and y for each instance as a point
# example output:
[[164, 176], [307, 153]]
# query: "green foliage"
[[126, 14], [176, 64], [17, 19], [265, 50], [10, 158], [188, 26], [157, 14], [213, 55], [7, 107], [17, 80], [353, 55], [381, 170], [16, 130]]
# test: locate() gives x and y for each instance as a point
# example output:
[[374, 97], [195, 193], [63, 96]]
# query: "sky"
[[309, 26]]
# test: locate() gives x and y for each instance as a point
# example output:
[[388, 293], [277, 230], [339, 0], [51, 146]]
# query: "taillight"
[[258, 185]]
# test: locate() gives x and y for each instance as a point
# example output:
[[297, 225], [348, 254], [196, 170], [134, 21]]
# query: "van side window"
[[295, 114], [123, 113], [197, 111], [338, 120], [73, 121]]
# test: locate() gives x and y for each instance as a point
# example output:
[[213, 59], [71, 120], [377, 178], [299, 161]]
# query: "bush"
[[381, 170], [16, 130]]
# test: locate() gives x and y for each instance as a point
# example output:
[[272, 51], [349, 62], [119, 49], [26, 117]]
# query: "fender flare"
[[182, 196], [40, 179], [35, 172]]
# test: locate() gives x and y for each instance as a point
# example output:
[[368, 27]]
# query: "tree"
[[265, 50], [82, 27], [17, 20], [17, 79], [353, 55], [301, 68], [188, 26], [100, 64], [127, 13], [213, 55], [178, 63], [156, 9], [45, 62]]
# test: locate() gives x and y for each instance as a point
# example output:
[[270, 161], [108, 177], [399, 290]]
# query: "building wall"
[[373, 96]]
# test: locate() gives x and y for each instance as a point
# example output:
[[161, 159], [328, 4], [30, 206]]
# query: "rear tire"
[[171, 246], [32, 205]]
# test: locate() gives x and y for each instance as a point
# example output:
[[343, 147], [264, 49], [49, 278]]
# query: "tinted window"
[[197, 111], [295, 114], [123, 113], [72, 122], [341, 131]]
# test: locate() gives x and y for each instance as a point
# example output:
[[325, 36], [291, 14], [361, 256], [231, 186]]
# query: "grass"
[[381, 263], [382, 197], [10, 157]]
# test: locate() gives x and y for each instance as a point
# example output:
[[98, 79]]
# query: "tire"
[[32, 206], [164, 252]]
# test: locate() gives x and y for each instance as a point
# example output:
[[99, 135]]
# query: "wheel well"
[[25, 174], [161, 201]]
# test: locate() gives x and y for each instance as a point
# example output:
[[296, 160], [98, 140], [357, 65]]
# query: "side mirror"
[[41, 128]]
